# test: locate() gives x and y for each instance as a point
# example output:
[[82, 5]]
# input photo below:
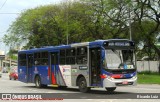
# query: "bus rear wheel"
[[110, 89], [83, 85], [38, 82]]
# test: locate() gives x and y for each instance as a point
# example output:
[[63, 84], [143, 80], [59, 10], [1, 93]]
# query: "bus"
[[97, 64]]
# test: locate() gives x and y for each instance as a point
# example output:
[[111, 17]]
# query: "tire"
[[38, 82], [83, 85], [110, 89]]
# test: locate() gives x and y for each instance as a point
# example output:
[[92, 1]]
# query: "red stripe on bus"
[[103, 76], [53, 79], [49, 71], [117, 76]]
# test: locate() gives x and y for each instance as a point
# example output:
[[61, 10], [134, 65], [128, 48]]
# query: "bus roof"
[[93, 43]]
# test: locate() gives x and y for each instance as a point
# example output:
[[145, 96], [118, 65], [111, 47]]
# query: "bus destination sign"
[[118, 44]]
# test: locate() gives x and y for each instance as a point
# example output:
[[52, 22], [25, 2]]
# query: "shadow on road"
[[76, 90], [73, 93]]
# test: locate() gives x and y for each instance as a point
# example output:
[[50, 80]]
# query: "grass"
[[148, 78]]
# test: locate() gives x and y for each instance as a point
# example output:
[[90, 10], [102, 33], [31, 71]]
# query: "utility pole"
[[67, 22], [130, 29]]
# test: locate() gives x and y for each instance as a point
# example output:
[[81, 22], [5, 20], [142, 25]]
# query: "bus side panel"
[[79, 70], [42, 71], [66, 74], [59, 78], [33, 74], [30, 70], [74, 74], [22, 74]]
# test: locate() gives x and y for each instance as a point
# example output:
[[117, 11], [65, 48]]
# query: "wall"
[[153, 66]]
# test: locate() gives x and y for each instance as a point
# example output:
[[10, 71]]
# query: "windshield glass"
[[123, 59]]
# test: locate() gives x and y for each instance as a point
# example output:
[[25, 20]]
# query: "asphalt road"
[[142, 93]]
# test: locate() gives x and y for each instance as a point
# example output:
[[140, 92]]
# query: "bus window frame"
[[62, 56], [22, 60], [82, 57], [71, 56], [40, 58]]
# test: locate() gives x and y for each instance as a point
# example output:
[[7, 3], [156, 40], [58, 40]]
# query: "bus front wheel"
[[83, 85], [38, 82], [110, 89]]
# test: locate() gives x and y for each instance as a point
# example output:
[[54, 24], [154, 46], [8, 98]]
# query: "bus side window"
[[62, 57], [41, 58], [70, 56], [44, 58], [22, 60], [82, 55], [37, 58], [30, 61]]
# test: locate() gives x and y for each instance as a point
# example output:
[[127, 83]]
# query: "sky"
[[10, 10]]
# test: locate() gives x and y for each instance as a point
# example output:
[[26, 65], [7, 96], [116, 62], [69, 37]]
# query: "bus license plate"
[[125, 82]]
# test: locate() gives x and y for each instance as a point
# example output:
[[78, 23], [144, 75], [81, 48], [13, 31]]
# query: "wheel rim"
[[83, 85]]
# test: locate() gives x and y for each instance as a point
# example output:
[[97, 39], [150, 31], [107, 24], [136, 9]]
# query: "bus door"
[[53, 67], [95, 66], [29, 67]]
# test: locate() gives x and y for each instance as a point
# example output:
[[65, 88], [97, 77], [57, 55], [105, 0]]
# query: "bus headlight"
[[134, 77], [109, 77]]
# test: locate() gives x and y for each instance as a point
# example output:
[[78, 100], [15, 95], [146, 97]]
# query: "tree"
[[88, 20], [49, 25], [148, 10]]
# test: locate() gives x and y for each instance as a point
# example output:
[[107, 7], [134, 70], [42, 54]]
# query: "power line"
[[3, 4]]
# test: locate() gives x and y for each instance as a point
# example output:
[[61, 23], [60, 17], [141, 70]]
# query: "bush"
[[149, 72]]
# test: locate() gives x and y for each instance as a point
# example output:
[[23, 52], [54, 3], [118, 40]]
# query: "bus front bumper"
[[110, 82]]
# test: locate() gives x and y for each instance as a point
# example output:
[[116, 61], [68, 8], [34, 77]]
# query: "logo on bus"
[[66, 70]]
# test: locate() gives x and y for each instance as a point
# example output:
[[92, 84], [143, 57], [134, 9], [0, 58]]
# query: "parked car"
[[13, 74]]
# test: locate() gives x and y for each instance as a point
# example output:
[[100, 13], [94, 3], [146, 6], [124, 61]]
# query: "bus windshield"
[[119, 59]]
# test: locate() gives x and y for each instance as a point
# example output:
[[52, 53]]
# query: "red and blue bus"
[[101, 63]]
